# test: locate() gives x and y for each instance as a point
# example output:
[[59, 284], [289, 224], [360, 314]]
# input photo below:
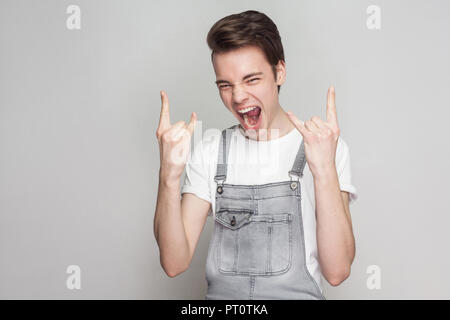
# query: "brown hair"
[[246, 29]]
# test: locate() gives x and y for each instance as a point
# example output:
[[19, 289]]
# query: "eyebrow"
[[244, 78]]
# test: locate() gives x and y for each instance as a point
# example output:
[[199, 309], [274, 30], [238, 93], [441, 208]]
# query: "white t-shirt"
[[253, 162]]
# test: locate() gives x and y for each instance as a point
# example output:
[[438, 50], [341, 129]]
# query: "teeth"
[[246, 110]]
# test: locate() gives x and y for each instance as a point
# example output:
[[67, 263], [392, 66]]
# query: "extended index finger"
[[331, 107], [164, 119]]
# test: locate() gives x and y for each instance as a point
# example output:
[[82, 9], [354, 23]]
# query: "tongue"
[[251, 117], [253, 113]]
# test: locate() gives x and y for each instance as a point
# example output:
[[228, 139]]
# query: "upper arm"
[[194, 212]]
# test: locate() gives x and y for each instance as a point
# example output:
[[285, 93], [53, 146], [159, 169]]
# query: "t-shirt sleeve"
[[196, 177], [344, 170]]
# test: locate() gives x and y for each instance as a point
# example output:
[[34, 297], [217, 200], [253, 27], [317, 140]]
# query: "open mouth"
[[250, 116]]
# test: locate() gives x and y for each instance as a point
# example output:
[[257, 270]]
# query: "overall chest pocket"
[[251, 244]]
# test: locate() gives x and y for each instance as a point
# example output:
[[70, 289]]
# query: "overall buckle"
[[219, 185], [294, 184]]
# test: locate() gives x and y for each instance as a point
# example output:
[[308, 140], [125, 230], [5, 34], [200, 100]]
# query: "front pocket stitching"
[[234, 209], [269, 248], [236, 250], [260, 198], [236, 227], [219, 247], [226, 224], [235, 272], [252, 217]]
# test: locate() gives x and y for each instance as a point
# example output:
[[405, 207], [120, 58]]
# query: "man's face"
[[247, 86]]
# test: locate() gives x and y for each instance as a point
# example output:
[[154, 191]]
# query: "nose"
[[240, 96]]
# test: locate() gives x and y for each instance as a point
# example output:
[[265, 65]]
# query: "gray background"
[[79, 157]]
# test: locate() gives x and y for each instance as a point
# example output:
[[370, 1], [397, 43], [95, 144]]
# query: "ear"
[[281, 72]]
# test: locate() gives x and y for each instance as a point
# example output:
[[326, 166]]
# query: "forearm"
[[168, 227], [335, 241]]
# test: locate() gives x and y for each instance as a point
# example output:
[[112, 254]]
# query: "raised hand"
[[174, 141], [320, 137]]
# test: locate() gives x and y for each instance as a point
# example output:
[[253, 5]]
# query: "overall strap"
[[299, 163], [224, 146]]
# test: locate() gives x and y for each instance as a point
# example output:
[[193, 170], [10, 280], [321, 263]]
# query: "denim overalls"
[[257, 250]]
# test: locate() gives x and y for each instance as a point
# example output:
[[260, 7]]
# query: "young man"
[[278, 188]]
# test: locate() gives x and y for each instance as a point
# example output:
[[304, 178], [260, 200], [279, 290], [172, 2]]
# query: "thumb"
[[299, 124]]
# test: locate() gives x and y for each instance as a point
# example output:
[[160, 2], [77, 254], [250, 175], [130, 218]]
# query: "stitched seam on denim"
[[236, 251], [269, 247], [224, 145], [224, 151], [234, 271], [270, 197], [302, 238], [300, 160], [290, 244], [251, 186], [252, 287], [227, 225], [234, 209], [272, 218], [288, 192], [225, 222], [219, 247], [247, 273]]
